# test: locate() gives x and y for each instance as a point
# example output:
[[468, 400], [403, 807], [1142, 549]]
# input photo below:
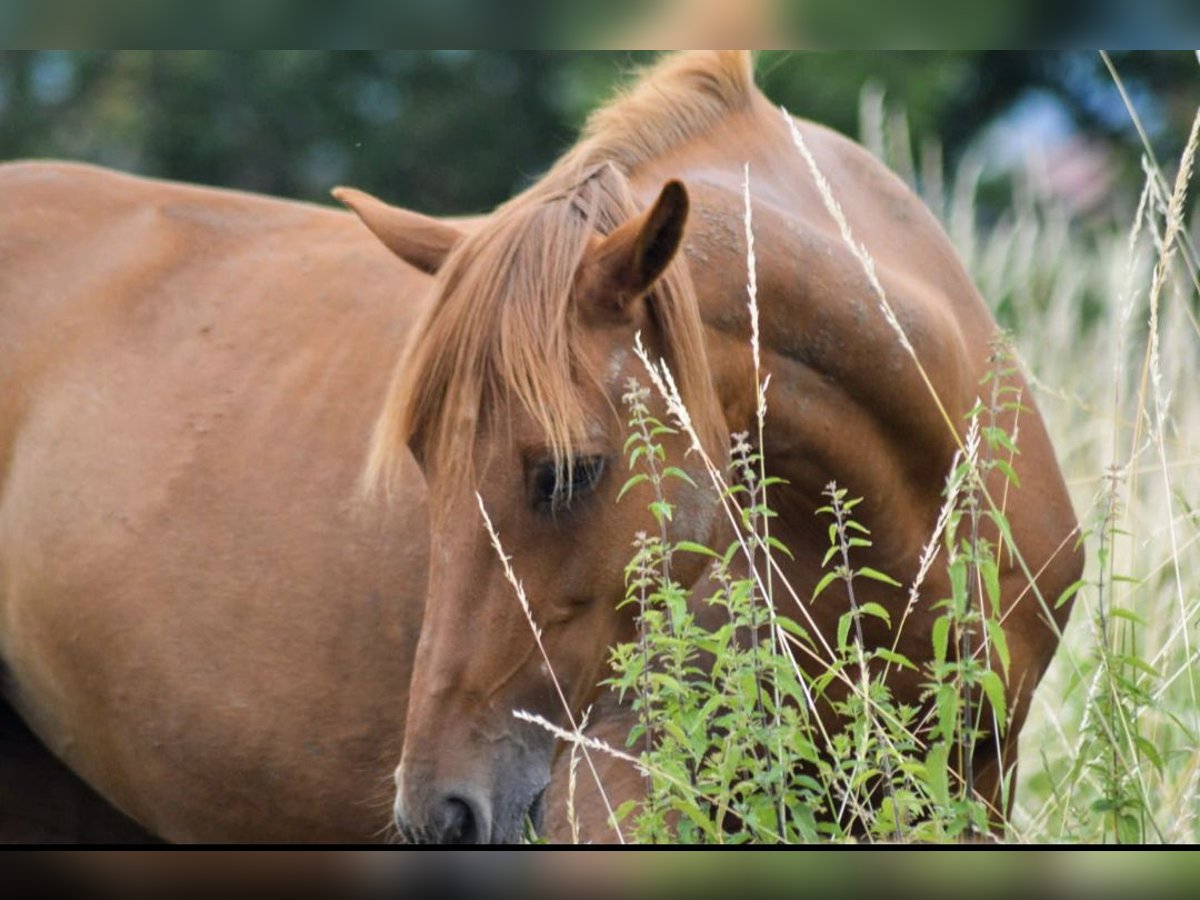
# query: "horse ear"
[[419, 240], [627, 263]]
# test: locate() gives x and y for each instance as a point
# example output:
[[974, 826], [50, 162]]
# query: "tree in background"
[[459, 131]]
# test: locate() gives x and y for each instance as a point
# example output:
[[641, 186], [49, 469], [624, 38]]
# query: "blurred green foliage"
[[459, 131]]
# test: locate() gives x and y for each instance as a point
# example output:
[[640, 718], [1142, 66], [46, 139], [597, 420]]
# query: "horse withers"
[[206, 619]]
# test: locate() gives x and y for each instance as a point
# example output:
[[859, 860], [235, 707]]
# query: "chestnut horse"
[[211, 623]]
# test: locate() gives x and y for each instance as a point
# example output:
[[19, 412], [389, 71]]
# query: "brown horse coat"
[[202, 620], [196, 615]]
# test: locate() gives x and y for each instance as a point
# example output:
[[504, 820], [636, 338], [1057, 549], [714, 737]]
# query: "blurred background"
[[461, 130]]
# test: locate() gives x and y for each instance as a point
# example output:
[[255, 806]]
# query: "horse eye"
[[555, 488]]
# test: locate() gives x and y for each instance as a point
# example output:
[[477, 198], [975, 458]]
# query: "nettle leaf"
[[792, 628], [662, 511], [1129, 829], [993, 689], [990, 574], [1118, 612], [937, 773], [621, 813], [827, 579], [874, 609], [998, 437], [676, 472], [1070, 592], [730, 552], [1141, 665], [779, 545], [1129, 579], [1005, 529], [876, 575], [700, 549], [843, 630], [947, 711], [894, 658], [1149, 751], [631, 483], [1007, 471], [697, 818], [829, 554], [958, 579], [999, 643]]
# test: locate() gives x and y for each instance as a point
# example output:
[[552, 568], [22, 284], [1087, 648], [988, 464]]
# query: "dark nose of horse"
[[455, 821]]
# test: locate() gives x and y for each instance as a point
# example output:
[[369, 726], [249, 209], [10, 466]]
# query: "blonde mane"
[[502, 327]]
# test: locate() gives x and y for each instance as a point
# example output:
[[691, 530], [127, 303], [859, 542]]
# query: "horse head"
[[512, 390]]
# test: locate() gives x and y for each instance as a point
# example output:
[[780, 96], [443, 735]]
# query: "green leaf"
[[730, 552], [676, 472], [1149, 751], [895, 658], [874, 609], [1008, 471], [876, 575], [827, 579], [1129, 829], [843, 630], [1141, 665], [941, 639], [632, 482], [999, 643], [792, 628], [1066, 595], [622, 812], [779, 545], [694, 815], [1118, 612], [993, 689], [1128, 579], [947, 708], [958, 579], [700, 549], [991, 583], [996, 436]]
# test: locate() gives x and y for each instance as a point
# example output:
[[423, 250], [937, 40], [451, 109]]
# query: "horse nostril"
[[455, 822]]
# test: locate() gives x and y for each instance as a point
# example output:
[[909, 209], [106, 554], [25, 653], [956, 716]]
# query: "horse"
[[232, 629]]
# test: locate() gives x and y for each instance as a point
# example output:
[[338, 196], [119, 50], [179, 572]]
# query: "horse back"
[[191, 598]]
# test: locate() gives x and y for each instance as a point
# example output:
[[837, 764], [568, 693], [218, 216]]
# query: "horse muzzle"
[[429, 810]]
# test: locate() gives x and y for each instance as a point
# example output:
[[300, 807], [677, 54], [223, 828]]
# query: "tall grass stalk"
[[1104, 323]]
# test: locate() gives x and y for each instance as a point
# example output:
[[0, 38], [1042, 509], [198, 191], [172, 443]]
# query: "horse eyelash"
[[592, 468]]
